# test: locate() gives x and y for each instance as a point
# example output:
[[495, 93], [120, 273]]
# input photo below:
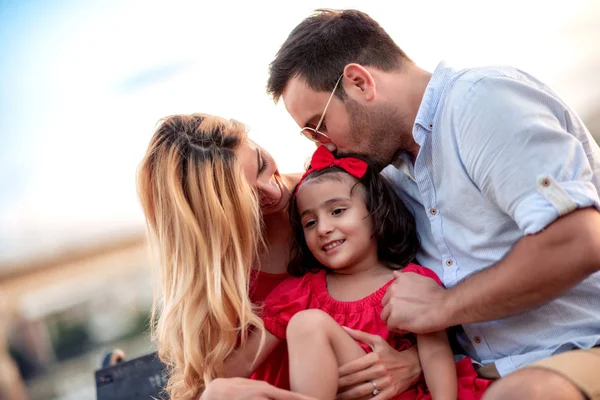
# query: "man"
[[503, 179]]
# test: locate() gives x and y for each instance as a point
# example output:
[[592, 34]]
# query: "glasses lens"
[[311, 134]]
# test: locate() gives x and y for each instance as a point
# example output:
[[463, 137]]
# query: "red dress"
[[275, 369], [310, 291]]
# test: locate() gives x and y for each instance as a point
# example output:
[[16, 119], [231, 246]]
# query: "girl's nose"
[[324, 228]]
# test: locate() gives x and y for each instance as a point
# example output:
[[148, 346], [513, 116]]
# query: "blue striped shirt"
[[501, 156]]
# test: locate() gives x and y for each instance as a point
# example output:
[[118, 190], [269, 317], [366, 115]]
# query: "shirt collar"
[[431, 98]]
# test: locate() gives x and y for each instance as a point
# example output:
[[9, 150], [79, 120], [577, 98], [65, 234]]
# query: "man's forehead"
[[301, 101]]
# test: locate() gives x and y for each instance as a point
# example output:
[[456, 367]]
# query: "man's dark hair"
[[394, 227], [321, 46]]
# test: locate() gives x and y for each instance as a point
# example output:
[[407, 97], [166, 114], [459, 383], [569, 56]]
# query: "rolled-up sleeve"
[[514, 144]]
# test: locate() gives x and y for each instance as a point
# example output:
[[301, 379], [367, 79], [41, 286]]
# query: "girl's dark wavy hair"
[[394, 225]]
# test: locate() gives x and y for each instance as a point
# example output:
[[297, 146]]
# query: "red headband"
[[323, 158]]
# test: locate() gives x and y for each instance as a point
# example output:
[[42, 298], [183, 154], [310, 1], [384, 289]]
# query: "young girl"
[[351, 233]]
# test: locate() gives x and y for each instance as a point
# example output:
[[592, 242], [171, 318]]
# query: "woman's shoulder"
[[291, 282], [294, 285], [262, 276], [292, 179], [263, 283], [289, 297]]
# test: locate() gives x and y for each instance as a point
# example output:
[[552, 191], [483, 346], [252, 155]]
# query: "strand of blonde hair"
[[205, 225]]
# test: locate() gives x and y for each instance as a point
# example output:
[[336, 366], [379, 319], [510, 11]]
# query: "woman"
[[215, 207]]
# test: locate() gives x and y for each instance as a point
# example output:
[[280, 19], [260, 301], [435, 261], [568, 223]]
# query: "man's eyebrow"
[[314, 117]]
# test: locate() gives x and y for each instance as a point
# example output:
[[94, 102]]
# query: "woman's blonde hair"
[[204, 220]]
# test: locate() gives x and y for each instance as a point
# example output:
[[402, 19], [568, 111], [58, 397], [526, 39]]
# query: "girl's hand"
[[246, 389], [392, 371]]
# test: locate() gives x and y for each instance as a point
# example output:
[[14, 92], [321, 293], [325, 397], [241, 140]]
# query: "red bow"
[[323, 158]]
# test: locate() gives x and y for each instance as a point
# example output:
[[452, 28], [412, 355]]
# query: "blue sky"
[[13, 174], [83, 83]]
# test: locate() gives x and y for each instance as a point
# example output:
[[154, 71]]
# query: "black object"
[[112, 357], [140, 378]]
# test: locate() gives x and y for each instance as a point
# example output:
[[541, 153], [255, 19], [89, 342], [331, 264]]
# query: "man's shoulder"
[[470, 82]]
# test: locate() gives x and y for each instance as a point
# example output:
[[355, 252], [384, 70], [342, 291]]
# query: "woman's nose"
[[269, 189]]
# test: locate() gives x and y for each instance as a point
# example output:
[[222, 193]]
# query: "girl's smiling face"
[[337, 226]]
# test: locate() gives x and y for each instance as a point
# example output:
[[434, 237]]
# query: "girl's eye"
[[308, 224], [338, 211]]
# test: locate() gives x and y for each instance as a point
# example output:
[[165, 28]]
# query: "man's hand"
[[538, 269], [415, 304]]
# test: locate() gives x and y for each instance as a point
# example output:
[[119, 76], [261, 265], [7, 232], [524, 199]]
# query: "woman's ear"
[[358, 83]]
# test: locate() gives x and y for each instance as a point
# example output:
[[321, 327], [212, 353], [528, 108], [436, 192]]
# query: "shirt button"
[[433, 211], [477, 339], [449, 263], [430, 126], [545, 182]]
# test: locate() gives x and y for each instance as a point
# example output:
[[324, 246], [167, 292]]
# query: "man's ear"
[[359, 83]]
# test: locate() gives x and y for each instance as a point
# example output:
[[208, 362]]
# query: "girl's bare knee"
[[309, 322]]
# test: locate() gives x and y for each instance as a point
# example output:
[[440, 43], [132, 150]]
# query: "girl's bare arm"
[[438, 365]]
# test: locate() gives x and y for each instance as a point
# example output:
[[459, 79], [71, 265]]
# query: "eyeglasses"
[[313, 133]]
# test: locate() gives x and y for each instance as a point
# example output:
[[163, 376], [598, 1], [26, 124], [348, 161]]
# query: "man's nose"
[[329, 145]]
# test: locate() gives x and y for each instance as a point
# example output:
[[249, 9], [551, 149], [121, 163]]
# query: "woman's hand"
[[392, 371], [246, 389]]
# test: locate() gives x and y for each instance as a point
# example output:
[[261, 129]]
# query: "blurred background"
[[83, 84]]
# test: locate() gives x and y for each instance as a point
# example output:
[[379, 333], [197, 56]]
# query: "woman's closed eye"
[[263, 166]]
